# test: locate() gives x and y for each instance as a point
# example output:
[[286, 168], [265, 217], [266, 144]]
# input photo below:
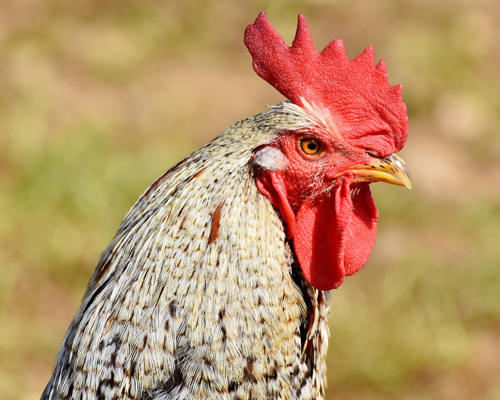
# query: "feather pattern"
[[177, 309]]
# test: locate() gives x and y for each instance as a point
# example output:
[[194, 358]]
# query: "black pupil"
[[311, 145]]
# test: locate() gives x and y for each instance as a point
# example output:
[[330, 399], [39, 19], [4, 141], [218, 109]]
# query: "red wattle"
[[332, 235], [273, 187], [335, 235]]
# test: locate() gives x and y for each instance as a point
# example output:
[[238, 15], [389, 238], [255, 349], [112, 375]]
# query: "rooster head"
[[317, 172]]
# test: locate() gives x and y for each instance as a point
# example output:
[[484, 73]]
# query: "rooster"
[[216, 285]]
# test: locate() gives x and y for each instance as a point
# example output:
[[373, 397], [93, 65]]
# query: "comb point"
[[335, 50], [381, 67], [367, 56], [303, 37]]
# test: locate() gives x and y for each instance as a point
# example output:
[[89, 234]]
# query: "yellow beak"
[[390, 169]]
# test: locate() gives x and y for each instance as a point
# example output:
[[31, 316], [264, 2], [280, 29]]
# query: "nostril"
[[373, 153]]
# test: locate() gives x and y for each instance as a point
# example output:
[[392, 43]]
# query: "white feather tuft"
[[315, 115], [271, 158]]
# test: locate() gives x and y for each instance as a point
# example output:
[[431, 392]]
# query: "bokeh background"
[[98, 98]]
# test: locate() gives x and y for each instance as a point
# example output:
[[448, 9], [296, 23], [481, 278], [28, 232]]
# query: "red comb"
[[357, 92]]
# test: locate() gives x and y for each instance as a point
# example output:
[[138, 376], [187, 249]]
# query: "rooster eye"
[[310, 147]]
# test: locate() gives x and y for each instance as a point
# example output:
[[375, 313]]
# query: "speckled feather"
[[199, 295]]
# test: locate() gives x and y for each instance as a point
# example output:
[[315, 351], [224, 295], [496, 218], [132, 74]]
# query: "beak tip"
[[391, 169]]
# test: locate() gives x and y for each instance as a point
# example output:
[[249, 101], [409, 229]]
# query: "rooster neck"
[[199, 287]]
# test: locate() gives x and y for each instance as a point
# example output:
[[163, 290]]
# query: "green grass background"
[[98, 98]]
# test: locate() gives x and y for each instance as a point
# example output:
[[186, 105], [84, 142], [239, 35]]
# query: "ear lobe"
[[272, 185]]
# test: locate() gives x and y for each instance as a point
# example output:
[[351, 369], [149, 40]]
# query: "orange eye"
[[310, 147]]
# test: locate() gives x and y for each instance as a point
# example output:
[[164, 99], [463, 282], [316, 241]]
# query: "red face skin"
[[331, 219]]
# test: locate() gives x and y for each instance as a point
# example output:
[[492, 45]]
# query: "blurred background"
[[99, 98]]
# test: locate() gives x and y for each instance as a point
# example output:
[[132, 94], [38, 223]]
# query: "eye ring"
[[311, 147]]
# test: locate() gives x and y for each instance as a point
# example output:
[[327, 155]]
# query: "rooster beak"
[[390, 169]]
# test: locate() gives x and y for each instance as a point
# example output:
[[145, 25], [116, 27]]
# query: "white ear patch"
[[271, 158]]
